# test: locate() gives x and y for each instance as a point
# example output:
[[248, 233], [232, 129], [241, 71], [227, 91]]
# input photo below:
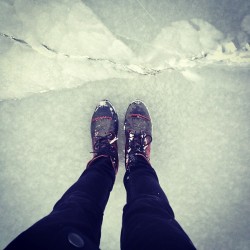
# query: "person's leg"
[[76, 219], [148, 219]]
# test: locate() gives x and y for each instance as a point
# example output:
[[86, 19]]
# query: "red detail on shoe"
[[140, 116], [100, 118]]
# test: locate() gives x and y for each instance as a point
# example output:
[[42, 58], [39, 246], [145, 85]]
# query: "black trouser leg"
[[148, 219], [76, 218]]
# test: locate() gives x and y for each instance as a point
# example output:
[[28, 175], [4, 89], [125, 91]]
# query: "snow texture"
[[187, 60]]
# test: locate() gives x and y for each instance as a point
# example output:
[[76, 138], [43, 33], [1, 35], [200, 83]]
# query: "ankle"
[[137, 159]]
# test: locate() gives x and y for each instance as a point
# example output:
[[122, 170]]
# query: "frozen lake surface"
[[189, 62]]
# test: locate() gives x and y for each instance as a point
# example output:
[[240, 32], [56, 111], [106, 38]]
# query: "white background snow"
[[187, 60]]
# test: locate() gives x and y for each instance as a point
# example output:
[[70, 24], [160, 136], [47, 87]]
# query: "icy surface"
[[187, 60]]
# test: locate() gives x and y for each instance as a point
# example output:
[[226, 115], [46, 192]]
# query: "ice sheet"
[[189, 62], [63, 44]]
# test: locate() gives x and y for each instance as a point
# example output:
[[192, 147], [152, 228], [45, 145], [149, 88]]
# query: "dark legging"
[[76, 219]]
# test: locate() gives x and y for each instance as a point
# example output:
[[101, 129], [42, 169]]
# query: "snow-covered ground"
[[189, 61]]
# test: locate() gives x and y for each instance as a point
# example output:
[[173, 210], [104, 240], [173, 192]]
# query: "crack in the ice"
[[198, 57], [136, 69], [48, 48], [128, 68], [15, 39]]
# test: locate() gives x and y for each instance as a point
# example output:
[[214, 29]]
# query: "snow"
[[189, 63]]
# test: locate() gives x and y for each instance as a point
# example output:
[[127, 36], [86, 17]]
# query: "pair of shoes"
[[138, 132]]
